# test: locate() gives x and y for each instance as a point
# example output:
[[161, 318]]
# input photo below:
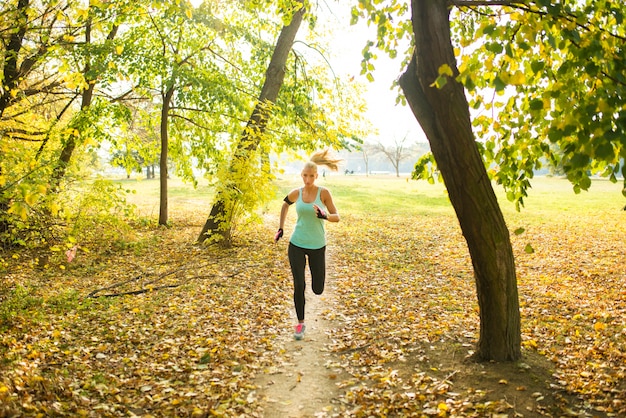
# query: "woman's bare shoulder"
[[325, 193]]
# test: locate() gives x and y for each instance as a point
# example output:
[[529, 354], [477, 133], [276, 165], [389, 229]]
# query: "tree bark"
[[444, 116], [165, 110], [11, 54], [10, 79], [249, 141]]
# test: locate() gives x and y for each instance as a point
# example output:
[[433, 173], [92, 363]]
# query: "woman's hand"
[[320, 212]]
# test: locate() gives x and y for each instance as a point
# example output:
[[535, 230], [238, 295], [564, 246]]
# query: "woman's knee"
[[318, 287]]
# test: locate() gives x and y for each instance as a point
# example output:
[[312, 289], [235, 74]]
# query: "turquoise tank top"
[[309, 232]]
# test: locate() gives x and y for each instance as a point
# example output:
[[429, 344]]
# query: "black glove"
[[278, 235], [320, 212]]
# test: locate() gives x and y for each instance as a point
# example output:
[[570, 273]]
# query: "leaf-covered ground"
[[201, 332]]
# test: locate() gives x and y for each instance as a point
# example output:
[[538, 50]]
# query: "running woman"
[[314, 205]]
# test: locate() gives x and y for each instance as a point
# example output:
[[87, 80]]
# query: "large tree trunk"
[[444, 116], [11, 79], [257, 123], [11, 54]]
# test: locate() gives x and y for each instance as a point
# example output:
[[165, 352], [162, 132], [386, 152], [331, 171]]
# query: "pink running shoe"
[[299, 333]]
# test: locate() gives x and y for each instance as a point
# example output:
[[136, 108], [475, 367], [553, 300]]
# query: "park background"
[[111, 305]]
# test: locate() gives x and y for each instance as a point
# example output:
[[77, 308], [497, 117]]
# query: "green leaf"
[[440, 82], [499, 84], [494, 47], [580, 160], [605, 152], [537, 66], [536, 104], [488, 30], [585, 183]]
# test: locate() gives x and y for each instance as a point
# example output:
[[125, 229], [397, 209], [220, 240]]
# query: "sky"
[[392, 121]]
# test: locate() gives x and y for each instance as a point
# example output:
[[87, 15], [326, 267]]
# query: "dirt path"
[[304, 383]]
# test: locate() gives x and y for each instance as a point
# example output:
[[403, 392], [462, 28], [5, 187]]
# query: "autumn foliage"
[[146, 323]]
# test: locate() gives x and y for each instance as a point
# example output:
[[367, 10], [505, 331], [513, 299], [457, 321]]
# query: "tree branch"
[[469, 3]]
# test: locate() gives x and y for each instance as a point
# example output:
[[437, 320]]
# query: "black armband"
[[286, 200]]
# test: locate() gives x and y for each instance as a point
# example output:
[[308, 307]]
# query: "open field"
[[176, 329]]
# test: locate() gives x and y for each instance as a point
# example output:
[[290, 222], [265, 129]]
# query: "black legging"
[[317, 266]]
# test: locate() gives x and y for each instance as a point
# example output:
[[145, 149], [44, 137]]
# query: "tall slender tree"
[[91, 71], [216, 223]]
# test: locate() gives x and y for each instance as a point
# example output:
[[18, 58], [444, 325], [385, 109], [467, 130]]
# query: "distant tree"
[[183, 61], [366, 151], [127, 159], [136, 144], [396, 153]]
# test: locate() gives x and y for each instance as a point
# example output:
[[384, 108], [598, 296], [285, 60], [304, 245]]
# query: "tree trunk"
[[165, 109], [444, 116], [87, 98], [69, 146], [11, 55], [11, 80], [257, 123]]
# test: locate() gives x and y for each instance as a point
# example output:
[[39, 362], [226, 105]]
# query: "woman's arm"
[[283, 215], [290, 199], [327, 200]]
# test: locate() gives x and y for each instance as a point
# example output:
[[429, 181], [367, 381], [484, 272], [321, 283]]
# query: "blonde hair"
[[323, 158]]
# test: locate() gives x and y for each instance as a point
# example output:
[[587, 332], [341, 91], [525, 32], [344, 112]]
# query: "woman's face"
[[308, 176]]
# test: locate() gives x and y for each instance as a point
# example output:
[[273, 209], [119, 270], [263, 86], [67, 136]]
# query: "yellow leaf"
[[518, 78], [188, 13], [599, 326], [82, 13], [445, 70], [530, 344], [31, 199], [119, 49], [603, 106], [54, 209], [19, 209]]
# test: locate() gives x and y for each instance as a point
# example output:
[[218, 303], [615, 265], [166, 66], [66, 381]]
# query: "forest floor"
[[154, 325]]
